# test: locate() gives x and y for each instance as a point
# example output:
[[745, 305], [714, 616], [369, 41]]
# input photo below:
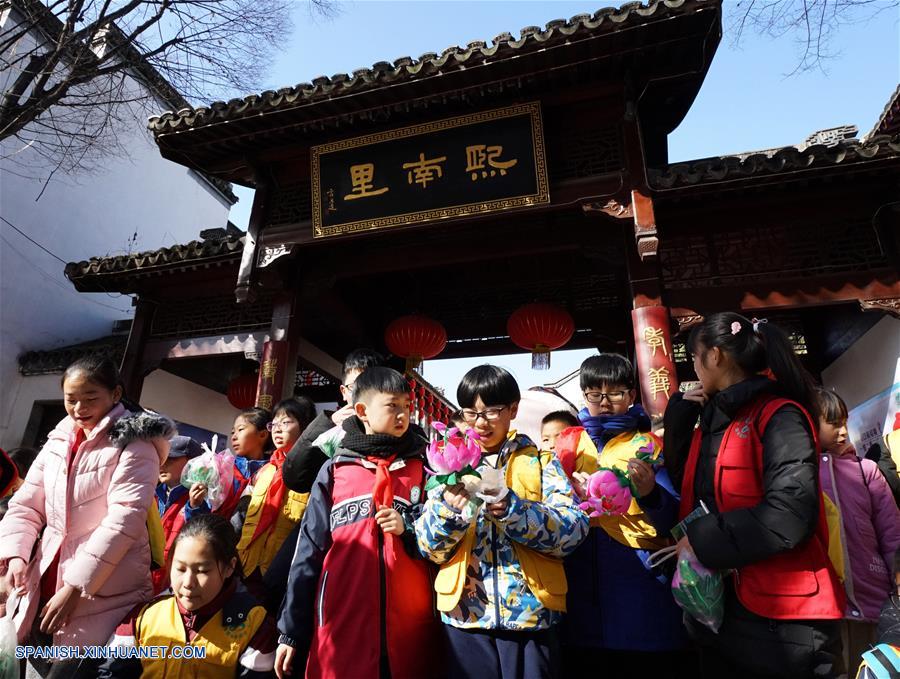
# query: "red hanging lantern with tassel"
[[242, 391], [415, 338], [540, 328]]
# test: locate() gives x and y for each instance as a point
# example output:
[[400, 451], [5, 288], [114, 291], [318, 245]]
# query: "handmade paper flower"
[[608, 493], [650, 453], [452, 456]]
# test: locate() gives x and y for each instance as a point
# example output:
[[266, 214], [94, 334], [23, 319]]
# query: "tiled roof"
[[694, 173], [406, 69], [889, 120], [57, 360], [194, 253], [774, 162]]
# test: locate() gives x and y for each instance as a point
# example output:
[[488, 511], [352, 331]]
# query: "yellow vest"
[[544, 574], [159, 624], [632, 528], [892, 440], [835, 538], [157, 536], [261, 552]]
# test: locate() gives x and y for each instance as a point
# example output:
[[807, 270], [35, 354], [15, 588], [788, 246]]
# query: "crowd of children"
[[335, 551]]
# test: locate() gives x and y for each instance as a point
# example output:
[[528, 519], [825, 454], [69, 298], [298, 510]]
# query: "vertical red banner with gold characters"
[[655, 361], [272, 366]]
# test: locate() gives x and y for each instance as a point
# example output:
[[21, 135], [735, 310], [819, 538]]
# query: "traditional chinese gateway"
[[461, 186]]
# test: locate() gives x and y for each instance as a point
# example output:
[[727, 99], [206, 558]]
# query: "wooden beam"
[[789, 294], [245, 289], [214, 345], [132, 361]]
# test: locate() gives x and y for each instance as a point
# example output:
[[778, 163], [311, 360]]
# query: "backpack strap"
[[883, 662]]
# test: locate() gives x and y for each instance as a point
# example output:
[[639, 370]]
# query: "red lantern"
[[540, 328], [415, 338], [242, 391]]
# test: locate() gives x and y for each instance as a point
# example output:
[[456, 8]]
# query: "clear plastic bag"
[[215, 471], [329, 441], [699, 591], [9, 666]]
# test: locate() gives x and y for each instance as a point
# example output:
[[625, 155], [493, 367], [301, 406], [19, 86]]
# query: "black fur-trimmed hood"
[[144, 426]]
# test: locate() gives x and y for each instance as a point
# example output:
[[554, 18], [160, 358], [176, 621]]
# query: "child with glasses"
[[311, 449], [621, 614], [274, 509], [501, 588]]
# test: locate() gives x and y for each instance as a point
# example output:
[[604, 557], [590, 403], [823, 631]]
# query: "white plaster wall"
[[26, 391], [866, 368], [188, 402], [76, 218]]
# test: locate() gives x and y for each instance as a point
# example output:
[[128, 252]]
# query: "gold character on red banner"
[[480, 157], [361, 176], [655, 338], [268, 369], [423, 171], [264, 401], [659, 381]]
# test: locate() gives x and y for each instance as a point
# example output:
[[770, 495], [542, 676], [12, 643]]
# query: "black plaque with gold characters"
[[471, 164]]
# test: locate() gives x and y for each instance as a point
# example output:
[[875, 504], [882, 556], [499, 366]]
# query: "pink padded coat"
[[95, 517]]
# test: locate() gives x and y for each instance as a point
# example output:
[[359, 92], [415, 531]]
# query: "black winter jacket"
[[303, 461], [787, 514]]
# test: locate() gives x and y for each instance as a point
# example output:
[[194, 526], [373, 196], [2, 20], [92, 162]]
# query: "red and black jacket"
[[354, 593], [754, 462]]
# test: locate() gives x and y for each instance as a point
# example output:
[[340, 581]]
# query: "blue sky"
[[747, 101]]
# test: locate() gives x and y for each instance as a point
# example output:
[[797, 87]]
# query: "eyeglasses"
[[490, 414], [598, 396], [280, 424]]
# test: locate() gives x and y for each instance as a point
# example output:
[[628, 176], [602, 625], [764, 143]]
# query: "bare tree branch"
[[813, 24], [75, 73]]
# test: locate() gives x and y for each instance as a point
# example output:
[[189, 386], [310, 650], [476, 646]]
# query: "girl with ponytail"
[[752, 465]]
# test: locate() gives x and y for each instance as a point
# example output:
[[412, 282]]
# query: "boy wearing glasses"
[[274, 510], [621, 615], [359, 594], [305, 458], [501, 588]]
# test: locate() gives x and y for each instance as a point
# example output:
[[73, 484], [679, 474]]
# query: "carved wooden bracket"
[[889, 305], [687, 322], [612, 207], [269, 254], [644, 225]]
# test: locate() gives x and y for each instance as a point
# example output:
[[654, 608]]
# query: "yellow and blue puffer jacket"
[[505, 573]]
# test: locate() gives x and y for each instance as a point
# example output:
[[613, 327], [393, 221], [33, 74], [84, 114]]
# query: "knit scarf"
[[381, 450], [274, 496], [603, 428]]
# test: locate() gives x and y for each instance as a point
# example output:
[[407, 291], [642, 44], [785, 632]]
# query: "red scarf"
[[274, 496], [383, 490]]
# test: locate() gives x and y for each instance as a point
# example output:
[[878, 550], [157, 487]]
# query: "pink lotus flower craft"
[[452, 456], [608, 493]]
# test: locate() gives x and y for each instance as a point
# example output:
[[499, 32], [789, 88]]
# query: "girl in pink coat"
[[89, 491], [870, 526]]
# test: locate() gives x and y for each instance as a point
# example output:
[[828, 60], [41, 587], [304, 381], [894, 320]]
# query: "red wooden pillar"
[[655, 363], [278, 362], [272, 373]]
